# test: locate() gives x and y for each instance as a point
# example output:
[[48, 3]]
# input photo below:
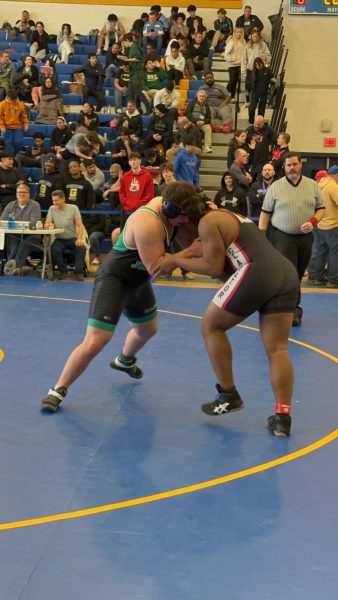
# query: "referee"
[[291, 209]]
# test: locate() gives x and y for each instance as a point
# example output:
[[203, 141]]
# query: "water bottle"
[[11, 221]]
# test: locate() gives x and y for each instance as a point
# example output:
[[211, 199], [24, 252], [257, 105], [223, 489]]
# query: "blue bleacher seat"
[[45, 129], [32, 172], [19, 46], [195, 84]]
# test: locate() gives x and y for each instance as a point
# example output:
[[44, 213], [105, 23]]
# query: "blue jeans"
[[118, 97], [157, 42], [95, 239], [13, 140], [111, 70], [58, 248], [20, 249], [327, 251]]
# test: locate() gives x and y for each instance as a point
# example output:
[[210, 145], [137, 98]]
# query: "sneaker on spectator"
[[9, 266], [96, 261], [332, 284], [193, 77], [207, 149], [16, 272], [98, 51]]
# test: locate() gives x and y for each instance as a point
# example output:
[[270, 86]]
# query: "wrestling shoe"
[[132, 369], [280, 424], [53, 400], [225, 402]]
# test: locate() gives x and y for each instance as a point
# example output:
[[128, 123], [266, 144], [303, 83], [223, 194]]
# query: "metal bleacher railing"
[[277, 64]]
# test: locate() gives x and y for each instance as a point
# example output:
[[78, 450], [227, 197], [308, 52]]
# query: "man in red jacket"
[[137, 188]]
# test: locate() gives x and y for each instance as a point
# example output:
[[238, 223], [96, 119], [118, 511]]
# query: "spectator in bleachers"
[[60, 136], [187, 163], [239, 141], [50, 106], [62, 215], [39, 42], [24, 26], [152, 160], [112, 191], [95, 176], [65, 42], [223, 30], [278, 155], [10, 177], [160, 18], [184, 126], [233, 54], [94, 75], [137, 187], [197, 27], [7, 73], [134, 60], [198, 53], [175, 64], [160, 129], [13, 121], [178, 27], [31, 157], [113, 61], [88, 117], [25, 79], [173, 16], [151, 54], [50, 180], [139, 24], [327, 232], [231, 196], [248, 22], [218, 99], [261, 137], [121, 84], [254, 48], [77, 189], [132, 120], [18, 249], [167, 173], [122, 148], [152, 81], [153, 32], [111, 32], [239, 170], [191, 9], [199, 113], [259, 188], [98, 227], [170, 98], [261, 78], [80, 146]]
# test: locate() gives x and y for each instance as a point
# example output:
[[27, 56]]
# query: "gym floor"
[[130, 492]]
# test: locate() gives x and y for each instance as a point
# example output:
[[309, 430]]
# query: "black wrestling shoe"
[[133, 370], [53, 400], [280, 424], [225, 402]]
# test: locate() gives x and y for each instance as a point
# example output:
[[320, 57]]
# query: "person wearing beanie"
[[320, 175]]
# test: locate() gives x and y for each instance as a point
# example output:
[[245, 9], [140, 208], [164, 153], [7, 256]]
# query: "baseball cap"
[[333, 170], [320, 174]]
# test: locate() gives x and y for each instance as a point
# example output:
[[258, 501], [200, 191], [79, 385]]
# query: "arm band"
[[314, 221]]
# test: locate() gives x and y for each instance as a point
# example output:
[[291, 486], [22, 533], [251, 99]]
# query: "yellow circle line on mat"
[[175, 492], [187, 489]]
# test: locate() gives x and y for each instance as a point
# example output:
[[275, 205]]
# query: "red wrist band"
[[284, 409], [314, 221]]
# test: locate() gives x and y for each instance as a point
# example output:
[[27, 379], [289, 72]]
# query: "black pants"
[[259, 98], [96, 93], [234, 78], [175, 75], [297, 248]]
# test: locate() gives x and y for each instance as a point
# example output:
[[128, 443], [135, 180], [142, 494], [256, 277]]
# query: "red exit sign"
[[329, 142]]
